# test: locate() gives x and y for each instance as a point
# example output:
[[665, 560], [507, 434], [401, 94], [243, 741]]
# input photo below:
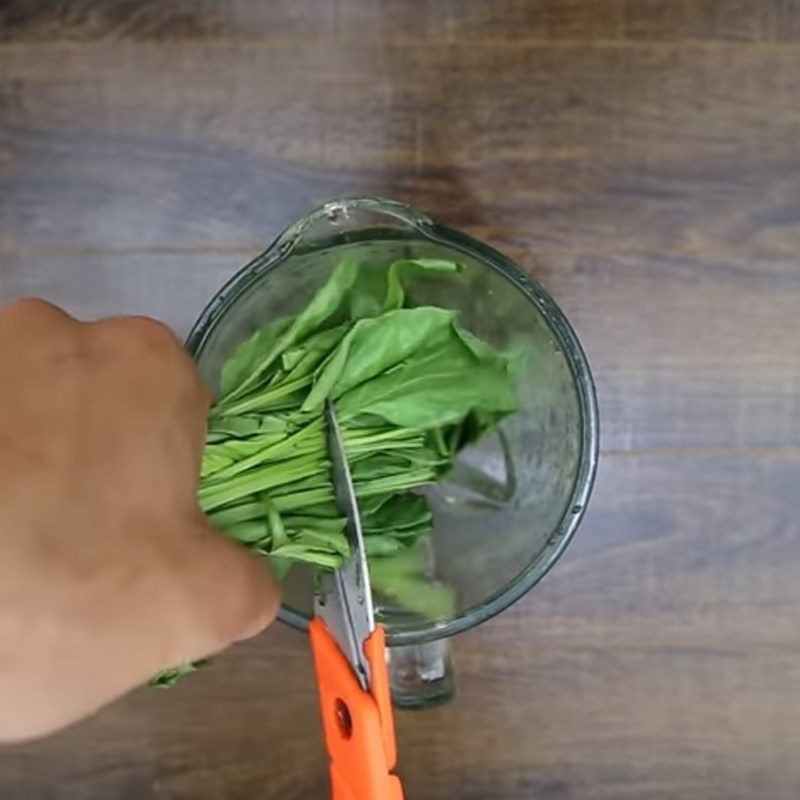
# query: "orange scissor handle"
[[358, 724]]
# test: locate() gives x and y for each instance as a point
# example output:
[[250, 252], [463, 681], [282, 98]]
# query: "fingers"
[[42, 327], [135, 333], [139, 335], [30, 314], [155, 369], [234, 594]]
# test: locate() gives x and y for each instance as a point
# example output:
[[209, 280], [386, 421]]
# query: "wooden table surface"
[[642, 159]]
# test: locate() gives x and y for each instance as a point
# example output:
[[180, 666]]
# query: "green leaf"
[[242, 365], [260, 479], [431, 601], [441, 385], [401, 271], [301, 552], [265, 449], [323, 540], [374, 346], [323, 310], [382, 546], [169, 677], [385, 464], [402, 579], [302, 360], [240, 427], [248, 531], [398, 513], [368, 292], [280, 566]]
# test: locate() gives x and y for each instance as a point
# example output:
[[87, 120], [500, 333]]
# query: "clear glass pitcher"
[[513, 501]]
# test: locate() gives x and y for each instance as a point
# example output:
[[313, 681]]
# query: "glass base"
[[421, 675]]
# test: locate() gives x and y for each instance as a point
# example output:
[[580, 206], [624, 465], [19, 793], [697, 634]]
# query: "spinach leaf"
[[401, 271], [240, 367], [400, 512], [373, 346], [441, 385], [400, 579], [322, 309], [169, 677]]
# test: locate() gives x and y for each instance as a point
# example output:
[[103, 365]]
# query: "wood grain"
[[221, 143], [641, 158], [550, 20]]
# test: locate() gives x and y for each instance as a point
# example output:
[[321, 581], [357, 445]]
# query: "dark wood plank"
[[687, 353], [659, 659], [553, 20], [637, 148], [172, 287]]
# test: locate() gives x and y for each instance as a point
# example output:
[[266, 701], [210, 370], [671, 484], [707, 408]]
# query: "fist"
[[109, 571]]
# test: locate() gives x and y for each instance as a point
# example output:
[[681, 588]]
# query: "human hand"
[[108, 569]]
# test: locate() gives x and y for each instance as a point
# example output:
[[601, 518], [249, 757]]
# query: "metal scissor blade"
[[345, 602]]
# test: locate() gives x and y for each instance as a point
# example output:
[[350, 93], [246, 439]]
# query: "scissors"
[[350, 659]]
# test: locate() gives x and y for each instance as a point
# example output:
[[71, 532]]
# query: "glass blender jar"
[[513, 501]]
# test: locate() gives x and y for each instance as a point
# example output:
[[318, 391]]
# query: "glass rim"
[[287, 242]]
